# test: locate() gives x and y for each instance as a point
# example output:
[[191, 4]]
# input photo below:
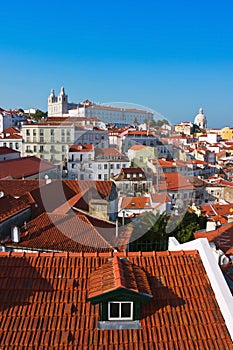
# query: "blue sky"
[[172, 56]]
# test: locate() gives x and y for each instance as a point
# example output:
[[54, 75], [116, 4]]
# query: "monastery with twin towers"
[[59, 106]]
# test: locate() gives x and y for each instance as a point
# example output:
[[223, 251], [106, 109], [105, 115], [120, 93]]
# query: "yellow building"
[[226, 133]]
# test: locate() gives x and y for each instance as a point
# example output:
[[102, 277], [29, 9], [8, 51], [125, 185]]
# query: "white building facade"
[[59, 106], [86, 163]]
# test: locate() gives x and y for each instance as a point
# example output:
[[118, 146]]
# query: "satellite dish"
[[1, 194]]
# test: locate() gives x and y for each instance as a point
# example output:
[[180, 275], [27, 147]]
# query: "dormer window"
[[120, 287], [120, 310]]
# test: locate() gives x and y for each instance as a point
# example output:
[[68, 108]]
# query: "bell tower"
[[62, 101], [57, 105]]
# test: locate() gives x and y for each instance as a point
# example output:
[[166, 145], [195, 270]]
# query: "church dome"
[[200, 119]]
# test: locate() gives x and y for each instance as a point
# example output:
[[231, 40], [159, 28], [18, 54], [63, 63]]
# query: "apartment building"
[[48, 140], [84, 162], [12, 138]]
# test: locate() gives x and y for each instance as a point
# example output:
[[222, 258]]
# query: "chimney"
[[210, 225], [47, 179], [15, 235], [116, 228]]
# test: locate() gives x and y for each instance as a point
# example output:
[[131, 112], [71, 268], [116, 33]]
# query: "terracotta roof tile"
[[222, 237], [174, 182], [11, 130], [103, 187], [138, 147], [7, 150], [108, 152], [82, 148], [18, 188], [9, 206], [24, 167], [136, 203], [116, 274], [37, 309], [60, 232]]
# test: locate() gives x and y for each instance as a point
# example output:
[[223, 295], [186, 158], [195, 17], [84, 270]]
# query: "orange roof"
[[103, 187], [18, 188], [82, 148], [59, 232], [13, 136], [7, 150], [44, 303], [115, 274], [108, 152], [11, 130], [174, 182], [160, 197], [136, 203], [10, 206], [138, 147], [222, 237], [136, 132], [24, 167]]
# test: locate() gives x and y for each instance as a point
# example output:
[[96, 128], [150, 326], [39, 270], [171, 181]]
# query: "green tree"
[[39, 115], [150, 228]]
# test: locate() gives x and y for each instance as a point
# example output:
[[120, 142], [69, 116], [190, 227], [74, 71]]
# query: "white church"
[[58, 106], [200, 119]]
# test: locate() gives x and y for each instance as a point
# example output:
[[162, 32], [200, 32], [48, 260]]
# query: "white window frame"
[[120, 318]]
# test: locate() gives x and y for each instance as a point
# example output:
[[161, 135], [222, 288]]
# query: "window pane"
[[114, 310], [125, 310]]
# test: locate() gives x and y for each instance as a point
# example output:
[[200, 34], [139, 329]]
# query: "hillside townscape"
[[116, 229]]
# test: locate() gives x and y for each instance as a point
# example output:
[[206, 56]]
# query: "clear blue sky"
[[172, 56]]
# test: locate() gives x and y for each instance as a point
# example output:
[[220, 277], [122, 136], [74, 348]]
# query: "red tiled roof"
[[174, 182], [160, 198], [44, 304], [11, 130], [18, 188], [138, 147], [103, 187], [116, 274], [24, 167], [82, 148], [13, 136], [223, 209], [7, 150], [57, 195], [108, 152], [59, 232], [136, 174], [143, 132], [222, 237], [9, 206], [136, 203], [107, 230], [170, 164], [110, 108], [132, 170]]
